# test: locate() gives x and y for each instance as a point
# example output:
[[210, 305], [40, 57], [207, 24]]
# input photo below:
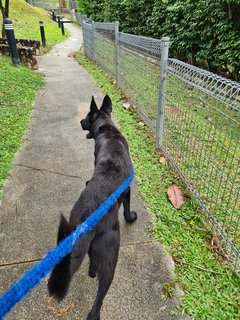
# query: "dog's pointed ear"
[[107, 105], [93, 106]]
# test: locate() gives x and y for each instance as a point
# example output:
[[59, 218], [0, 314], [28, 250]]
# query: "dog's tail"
[[60, 277]]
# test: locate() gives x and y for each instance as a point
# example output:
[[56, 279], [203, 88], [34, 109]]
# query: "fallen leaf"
[[126, 105], [237, 237], [71, 55], [176, 196], [63, 311], [142, 124], [163, 160]]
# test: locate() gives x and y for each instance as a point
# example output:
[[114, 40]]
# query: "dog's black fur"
[[112, 167]]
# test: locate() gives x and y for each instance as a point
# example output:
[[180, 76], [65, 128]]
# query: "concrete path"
[[48, 175]]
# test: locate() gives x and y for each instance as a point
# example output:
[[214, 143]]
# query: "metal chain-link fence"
[[44, 5], [53, 4], [104, 46], [194, 114], [77, 17], [201, 139], [139, 73]]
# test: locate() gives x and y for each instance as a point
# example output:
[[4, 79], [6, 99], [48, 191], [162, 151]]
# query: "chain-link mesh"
[[40, 4], [88, 40], [77, 17], [99, 45], [139, 73], [201, 122], [201, 139], [104, 41]]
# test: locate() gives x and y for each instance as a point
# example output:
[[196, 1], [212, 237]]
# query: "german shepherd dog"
[[112, 167]]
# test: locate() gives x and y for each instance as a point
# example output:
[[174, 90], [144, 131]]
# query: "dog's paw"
[[131, 217], [91, 273]]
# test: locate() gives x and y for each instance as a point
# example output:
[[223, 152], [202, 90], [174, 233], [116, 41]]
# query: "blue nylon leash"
[[31, 278]]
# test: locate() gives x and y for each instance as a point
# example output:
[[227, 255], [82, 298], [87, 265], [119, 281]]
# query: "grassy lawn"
[[18, 86], [211, 289], [26, 19]]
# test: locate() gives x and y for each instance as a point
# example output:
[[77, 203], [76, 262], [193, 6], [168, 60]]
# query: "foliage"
[[93, 9], [203, 32], [210, 289]]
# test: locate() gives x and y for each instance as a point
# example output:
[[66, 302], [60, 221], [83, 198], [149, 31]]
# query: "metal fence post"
[[11, 41], [162, 90], [117, 51], [93, 41], [59, 21], [42, 32], [53, 15], [62, 26]]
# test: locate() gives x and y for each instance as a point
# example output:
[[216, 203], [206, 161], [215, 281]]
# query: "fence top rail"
[[82, 16], [105, 25], [223, 89], [87, 25], [141, 43]]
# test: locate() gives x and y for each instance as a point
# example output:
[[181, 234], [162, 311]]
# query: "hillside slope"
[[26, 19]]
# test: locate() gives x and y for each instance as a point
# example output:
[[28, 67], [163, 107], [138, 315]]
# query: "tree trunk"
[[7, 8], [62, 3], [5, 14]]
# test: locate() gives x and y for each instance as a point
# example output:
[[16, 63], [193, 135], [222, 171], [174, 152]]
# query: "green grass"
[[211, 289], [26, 19], [18, 86]]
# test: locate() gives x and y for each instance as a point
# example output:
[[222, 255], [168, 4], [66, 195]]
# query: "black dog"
[[112, 167]]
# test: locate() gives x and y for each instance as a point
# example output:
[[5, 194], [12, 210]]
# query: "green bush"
[[203, 32]]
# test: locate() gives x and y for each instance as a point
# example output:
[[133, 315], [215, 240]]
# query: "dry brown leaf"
[[72, 54], [63, 311], [142, 124], [163, 160], [126, 105], [176, 196]]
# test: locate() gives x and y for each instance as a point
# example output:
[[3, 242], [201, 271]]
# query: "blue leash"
[[32, 277]]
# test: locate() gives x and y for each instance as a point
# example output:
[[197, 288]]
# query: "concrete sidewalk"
[[48, 175]]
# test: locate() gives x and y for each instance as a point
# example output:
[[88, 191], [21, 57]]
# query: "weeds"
[[18, 86]]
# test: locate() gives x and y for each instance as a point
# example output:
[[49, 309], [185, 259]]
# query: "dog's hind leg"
[[103, 256], [80, 249], [130, 216], [93, 264]]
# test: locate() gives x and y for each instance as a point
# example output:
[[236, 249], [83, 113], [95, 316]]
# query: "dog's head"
[[96, 114]]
